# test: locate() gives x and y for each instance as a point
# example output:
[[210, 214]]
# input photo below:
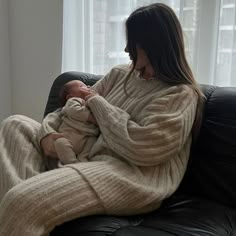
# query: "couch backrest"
[[212, 168]]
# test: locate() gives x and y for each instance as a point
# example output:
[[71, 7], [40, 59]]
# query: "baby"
[[76, 123]]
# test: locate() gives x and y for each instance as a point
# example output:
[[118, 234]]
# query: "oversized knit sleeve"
[[158, 137], [75, 108], [50, 124]]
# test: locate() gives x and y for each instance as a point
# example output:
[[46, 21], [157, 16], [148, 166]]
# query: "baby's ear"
[[68, 96]]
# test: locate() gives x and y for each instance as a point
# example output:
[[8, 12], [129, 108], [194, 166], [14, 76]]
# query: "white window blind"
[[94, 36]]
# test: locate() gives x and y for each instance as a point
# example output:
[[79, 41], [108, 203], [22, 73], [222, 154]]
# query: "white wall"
[[36, 45], [5, 79]]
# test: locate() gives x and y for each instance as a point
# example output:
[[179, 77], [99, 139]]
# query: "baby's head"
[[71, 89]]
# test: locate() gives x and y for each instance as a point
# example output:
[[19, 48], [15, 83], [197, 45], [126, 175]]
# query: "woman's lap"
[[40, 203], [36, 201]]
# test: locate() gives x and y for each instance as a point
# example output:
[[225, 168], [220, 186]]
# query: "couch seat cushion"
[[179, 216]]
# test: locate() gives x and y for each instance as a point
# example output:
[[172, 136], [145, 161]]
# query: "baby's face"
[[74, 89]]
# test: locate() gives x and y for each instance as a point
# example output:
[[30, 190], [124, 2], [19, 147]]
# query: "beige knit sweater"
[[141, 155], [138, 160]]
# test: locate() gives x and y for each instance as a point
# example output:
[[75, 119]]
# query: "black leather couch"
[[205, 203]]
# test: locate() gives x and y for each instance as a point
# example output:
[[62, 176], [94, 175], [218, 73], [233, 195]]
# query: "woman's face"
[[143, 64]]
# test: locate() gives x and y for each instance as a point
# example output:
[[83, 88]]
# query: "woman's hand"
[[88, 93], [47, 144]]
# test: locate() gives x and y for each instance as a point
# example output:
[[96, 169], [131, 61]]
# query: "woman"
[[146, 114]]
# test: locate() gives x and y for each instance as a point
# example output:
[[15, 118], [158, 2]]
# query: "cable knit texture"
[[138, 160]]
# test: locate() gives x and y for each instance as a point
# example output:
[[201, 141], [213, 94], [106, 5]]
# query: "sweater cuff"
[[99, 107], [42, 133]]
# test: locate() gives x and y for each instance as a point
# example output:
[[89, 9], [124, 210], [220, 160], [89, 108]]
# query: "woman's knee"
[[23, 206], [21, 211], [14, 121], [14, 118], [17, 199], [11, 119]]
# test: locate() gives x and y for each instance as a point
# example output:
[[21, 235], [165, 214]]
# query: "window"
[[226, 50], [94, 36]]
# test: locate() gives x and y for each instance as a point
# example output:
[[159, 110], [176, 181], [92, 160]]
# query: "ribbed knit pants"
[[32, 201]]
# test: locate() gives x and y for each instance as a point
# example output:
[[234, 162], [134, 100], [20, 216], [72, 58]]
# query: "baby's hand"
[[88, 93]]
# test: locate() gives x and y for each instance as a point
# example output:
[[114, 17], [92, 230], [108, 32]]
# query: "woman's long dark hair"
[[156, 29]]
